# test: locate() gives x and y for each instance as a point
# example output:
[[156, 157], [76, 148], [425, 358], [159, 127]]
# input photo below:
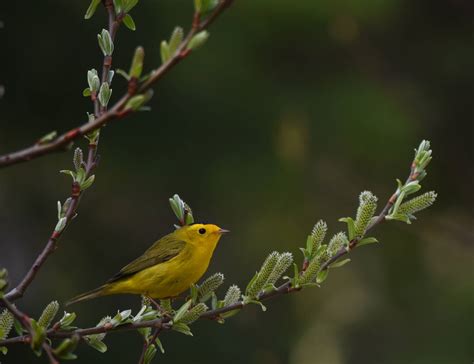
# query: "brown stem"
[[91, 163], [147, 344]]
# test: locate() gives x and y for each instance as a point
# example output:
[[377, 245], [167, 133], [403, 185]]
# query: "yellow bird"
[[169, 267]]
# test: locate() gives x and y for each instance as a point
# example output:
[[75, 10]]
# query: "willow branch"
[[91, 164], [163, 323], [118, 110]]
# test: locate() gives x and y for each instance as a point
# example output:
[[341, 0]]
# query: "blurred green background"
[[288, 112]]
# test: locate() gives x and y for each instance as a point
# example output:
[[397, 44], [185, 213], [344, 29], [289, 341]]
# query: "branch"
[[76, 191], [119, 110], [26, 322], [165, 323]]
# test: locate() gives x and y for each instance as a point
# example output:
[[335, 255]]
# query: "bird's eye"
[[202, 231]]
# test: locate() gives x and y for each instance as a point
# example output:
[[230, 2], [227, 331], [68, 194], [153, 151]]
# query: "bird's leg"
[[163, 312], [156, 304]]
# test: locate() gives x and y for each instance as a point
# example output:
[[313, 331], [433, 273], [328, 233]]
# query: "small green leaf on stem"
[[164, 51], [38, 335], [340, 263], [365, 241], [322, 275], [128, 5], [48, 138], [198, 40], [105, 42], [67, 320], [175, 40], [93, 80], [91, 9], [136, 67], [129, 22], [105, 93]]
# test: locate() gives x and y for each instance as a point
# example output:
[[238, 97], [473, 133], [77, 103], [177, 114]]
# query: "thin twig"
[[118, 110], [91, 164], [25, 321], [147, 344]]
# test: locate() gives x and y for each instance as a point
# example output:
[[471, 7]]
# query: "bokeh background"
[[289, 111]]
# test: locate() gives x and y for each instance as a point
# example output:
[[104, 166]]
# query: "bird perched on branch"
[[166, 269]]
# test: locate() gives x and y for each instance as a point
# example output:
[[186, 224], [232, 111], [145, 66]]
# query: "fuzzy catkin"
[[365, 212], [417, 203]]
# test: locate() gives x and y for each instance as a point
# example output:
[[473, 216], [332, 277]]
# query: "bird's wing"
[[161, 251]]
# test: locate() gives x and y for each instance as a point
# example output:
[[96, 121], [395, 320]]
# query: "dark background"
[[288, 112]]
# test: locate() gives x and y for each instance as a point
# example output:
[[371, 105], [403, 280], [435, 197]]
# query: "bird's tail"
[[100, 291]]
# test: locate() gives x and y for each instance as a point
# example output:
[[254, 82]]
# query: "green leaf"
[[255, 302], [105, 92], [86, 92], [164, 51], [71, 173], [322, 276], [18, 328], [87, 183], [129, 22], [122, 317], [122, 73], [136, 68], [118, 6], [128, 5], [399, 217], [369, 240], [48, 137], [96, 344], [65, 349], [38, 336], [193, 293], [339, 263], [160, 345], [296, 277], [61, 224], [67, 320], [198, 40], [182, 328], [182, 310], [105, 42], [91, 9], [177, 206], [208, 5], [350, 226], [3, 350], [175, 40]]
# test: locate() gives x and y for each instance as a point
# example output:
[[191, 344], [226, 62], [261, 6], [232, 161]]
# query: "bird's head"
[[203, 234]]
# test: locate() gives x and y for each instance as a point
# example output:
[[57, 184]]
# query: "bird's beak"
[[223, 231]]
